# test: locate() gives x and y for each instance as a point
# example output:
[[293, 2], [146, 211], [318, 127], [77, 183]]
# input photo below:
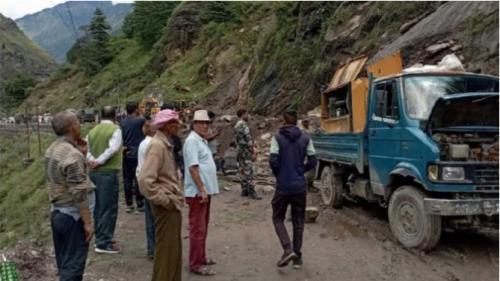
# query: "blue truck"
[[427, 151]]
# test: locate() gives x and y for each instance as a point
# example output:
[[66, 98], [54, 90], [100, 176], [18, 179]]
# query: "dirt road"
[[353, 243]]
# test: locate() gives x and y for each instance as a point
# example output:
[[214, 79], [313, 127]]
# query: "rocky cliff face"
[[292, 51], [468, 29], [56, 29], [19, 55]]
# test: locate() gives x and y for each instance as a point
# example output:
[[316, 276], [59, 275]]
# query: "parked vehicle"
[[89, 115], [423, 145]]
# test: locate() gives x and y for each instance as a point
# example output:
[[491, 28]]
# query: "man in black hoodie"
[[289, 149]]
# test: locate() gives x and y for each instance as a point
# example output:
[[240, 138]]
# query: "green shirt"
[[98, 139]]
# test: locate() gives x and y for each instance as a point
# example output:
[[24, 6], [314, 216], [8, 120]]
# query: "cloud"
[[18, 8], [15, 9], [122, 1]]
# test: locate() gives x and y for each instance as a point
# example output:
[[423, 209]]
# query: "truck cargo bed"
[[345, 148]]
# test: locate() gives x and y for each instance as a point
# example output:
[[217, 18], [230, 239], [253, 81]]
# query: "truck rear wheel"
[[331, 188], [409, 222]]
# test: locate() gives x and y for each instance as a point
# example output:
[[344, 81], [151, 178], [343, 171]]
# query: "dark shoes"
[[129, 209], [312, 189], [297, 263], [254, 196], [250, 194], [112, 249], [286, 258]]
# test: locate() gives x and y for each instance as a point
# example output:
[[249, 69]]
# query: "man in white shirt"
[[149, 132], [200, 183], [105, 160]]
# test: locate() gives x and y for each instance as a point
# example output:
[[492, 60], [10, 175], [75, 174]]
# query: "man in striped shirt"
[[71, 195]]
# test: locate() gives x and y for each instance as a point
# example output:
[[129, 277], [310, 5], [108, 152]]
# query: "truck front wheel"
[[331, 188], [409, 222]]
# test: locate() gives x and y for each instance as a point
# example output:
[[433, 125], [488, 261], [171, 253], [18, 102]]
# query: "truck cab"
[[428, 151]]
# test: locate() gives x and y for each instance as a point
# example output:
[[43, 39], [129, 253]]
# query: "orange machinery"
[[149, 107], [344, 102]]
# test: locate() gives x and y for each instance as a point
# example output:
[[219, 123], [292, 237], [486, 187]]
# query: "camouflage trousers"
[[247, 175]]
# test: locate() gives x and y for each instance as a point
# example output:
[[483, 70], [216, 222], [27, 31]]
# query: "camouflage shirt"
[[243, 137]]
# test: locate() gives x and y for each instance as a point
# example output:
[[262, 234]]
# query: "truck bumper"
[[461, 207]]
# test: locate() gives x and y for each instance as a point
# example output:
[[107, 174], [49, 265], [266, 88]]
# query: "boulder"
[[312, 214], [266, 136], [266, 189], [228, 118], [437, 47]]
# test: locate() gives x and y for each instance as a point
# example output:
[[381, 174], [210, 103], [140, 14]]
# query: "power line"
[[71, 18], [62, 18]]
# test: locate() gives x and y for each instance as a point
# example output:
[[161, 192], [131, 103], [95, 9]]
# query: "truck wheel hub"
[[408, 218], [326, 189]]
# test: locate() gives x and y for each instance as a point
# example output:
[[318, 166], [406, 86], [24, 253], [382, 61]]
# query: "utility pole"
[[38, 130], [27, 121]]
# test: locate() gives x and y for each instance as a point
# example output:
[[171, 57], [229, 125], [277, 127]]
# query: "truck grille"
[[486, 175]]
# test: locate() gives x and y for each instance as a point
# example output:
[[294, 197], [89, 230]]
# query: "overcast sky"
[[15, 9]]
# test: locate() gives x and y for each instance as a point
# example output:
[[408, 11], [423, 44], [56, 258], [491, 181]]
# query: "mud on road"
[[352, 243]]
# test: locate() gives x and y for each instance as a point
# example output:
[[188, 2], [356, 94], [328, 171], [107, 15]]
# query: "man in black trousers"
[[72, 197], [289, 149], [133, 135]]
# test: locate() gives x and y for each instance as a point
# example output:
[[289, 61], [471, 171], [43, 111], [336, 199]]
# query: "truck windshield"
[[422, 92]]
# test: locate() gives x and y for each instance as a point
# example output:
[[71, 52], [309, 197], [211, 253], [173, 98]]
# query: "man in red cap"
[[159, 182]]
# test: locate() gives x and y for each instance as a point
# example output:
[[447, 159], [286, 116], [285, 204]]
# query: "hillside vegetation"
[[24, 201], [270, 55], [19, 57], [23, 195], [56, 29]]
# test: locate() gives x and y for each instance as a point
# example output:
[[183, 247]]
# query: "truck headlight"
[[432, 172], [453, 173]]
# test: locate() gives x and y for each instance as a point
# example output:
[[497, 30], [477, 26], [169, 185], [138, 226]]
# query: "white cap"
[[201, 115]]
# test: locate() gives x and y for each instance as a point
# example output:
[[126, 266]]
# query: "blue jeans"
[[150, 227], [70, 246], [106, 207]]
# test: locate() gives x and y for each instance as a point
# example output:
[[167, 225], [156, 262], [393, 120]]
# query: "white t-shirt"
[[141, 154]]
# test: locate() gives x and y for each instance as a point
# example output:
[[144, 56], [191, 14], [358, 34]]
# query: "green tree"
[[16, 89], [99, 32], [222, 12], [92, 51], [147, 20], [78, 48]]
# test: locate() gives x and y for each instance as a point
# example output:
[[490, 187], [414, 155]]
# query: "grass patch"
[[479, 22], [24, 202]]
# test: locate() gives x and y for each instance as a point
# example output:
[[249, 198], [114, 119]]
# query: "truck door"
[[384, 133]]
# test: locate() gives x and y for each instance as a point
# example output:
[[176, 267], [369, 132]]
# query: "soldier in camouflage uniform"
[[245, 155]]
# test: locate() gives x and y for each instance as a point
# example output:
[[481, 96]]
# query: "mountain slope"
[[56, 29], [271, 55], [18, 55]]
